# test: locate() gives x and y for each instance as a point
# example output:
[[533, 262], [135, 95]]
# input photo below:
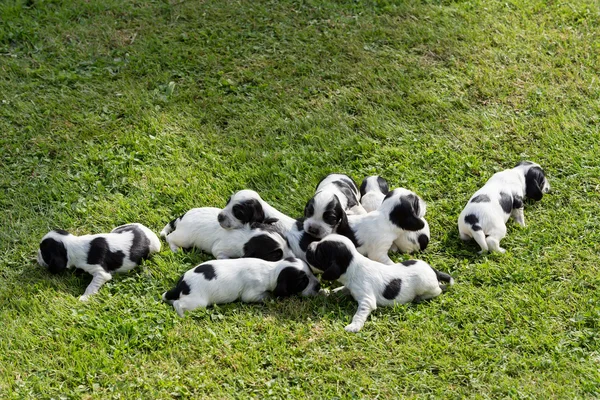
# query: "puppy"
[[485, 215], [372, 192], [200, 228], [246, 279], [246, 206], [100, 255], [371, 283], [374, 233], [298, 240]]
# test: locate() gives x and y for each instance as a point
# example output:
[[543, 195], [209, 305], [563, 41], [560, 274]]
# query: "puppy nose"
[[312, 230], [220, 218]]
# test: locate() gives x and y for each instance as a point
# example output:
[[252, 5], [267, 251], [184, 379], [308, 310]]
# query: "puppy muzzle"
[[224, 221]]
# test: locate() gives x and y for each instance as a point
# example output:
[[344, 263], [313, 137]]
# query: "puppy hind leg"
[[518, 215], [99, 279], [479, 237], [494, 237], [365, 307]]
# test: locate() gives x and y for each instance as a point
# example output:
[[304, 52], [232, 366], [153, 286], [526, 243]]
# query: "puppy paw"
[[84, 298], [323, 292], [353, 328], [501, 250]]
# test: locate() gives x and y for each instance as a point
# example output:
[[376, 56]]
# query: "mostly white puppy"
[[485, 215], [373, 190], [245, 279], [246, 206], [374, 233], [371, 283], [200, 228], [100, 255]]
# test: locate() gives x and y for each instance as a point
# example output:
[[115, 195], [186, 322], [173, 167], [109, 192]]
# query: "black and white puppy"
[[371, 283], [200, 228], [298, 239], [245, 279], [485, 215], [334, 191], [100, 255], [246, 206], [372, 192]]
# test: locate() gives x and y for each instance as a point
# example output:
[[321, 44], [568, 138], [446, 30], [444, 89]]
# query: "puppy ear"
[[335, 259], [270, 221], [54, 254], [264, 247], [406, 214], [290, 281], [332, 273], [534, 183], [257, 210]]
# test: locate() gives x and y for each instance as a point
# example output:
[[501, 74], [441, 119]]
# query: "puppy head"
[[295, 277], [405, 209], [536, 184], [374, 183], [323, 214], [242, 207], [331, 256], [267, 245], [52, 253]]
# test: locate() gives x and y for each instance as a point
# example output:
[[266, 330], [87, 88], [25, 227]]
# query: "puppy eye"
[[238, 213], [329, 218]]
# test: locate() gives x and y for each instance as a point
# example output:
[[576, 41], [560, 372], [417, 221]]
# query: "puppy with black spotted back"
[[100, 255], [485, 215], [199, 228], [245, 279], [371, 283]]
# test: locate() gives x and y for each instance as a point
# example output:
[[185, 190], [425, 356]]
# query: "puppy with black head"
[[372, 192], [245, 279], [101, 255], [372, 283], [373, 234], [485, 215], [200, 228], [246, 206]]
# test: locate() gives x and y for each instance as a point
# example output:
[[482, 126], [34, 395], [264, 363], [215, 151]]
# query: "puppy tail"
[[170, 227], [479, 237], [444, 277]]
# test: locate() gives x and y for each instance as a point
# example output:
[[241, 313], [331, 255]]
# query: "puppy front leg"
[[365, 307], [99, 279], [382, 258], [518, 216]]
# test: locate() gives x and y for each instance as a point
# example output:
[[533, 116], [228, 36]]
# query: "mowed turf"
[[119, 111]]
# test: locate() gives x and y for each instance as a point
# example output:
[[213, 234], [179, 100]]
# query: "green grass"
[[119, 111]]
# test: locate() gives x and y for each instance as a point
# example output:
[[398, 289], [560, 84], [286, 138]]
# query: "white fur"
[[372, 196], [366, 281], [200, 228], [78, 247], [490, 215], [328, 185], [245, 279]]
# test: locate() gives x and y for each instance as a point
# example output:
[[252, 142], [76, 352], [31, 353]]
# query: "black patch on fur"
[[347, 191], [140, 245], [300, 224], [54, 254], [228, 201], [249, 211], [309, 209], [517, 201], [405, 215], [481, 198], [291, 259], [100, 254], [423, 241], [383, 186], [207, 270], [472, 220], [534, 183], [333, 212], [392, 289], [306, 239], [290, 281], [506, 202], [180, 288], [331, 257], [408, 263], [388, 195], [263, 246], [61, 232]]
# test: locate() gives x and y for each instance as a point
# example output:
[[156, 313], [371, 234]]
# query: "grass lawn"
[[116, 111]]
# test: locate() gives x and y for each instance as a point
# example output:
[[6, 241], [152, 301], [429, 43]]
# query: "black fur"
[[472, 220], [249, 211], [406, 214], [61, 232], [423, 241], [408, 263], [54, 254], [481, 198], [346, 190], [290, 281], [506, 202], [264, 247], [331, 257], [140, 245], [291, 259], [181, 288], [207, 270], [534, 183], [306, 239], [517, 202], [392, 289], [100, 254], [383, 186], [309, 209]]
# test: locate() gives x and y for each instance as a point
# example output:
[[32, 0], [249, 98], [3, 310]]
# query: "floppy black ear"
[[249, 211], [264, 247], [290, 281], [383, 185], [406, 214], [333, 258], [332, 273], [534, 183], [54, 254], [309, 209], [270, 221]]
